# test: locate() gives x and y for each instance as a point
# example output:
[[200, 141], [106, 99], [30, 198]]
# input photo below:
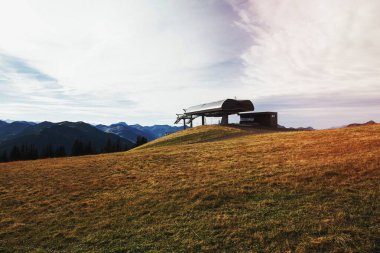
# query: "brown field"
[[206, 189]]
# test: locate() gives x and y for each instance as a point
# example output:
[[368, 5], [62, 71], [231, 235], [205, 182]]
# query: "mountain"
[[371, 122], [9, 130], [17, 132], [158, 130], [305, 128], [298, 128], [62, 134], [127, 132], [130, 132]]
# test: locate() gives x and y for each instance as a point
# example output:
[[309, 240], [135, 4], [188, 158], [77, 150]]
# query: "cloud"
[[157, 56], [324, 50], [143, 61], [27, 91], [19, 80], [304, 47], [17, 66]]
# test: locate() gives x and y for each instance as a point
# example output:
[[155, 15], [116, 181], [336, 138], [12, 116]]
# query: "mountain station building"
[[224, 108]]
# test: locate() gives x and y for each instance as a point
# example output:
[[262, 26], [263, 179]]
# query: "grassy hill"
[[208, 188]]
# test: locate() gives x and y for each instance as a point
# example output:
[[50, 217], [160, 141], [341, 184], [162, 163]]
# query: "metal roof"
[[222, 107]]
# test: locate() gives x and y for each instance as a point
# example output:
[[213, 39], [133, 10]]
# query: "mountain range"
[[58, 135], [63, 135], [10, 130], [131, 132]]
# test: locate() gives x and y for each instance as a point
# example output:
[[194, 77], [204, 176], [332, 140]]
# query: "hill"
[[10, 130], [61, 134], [207, 189], [371, 122]]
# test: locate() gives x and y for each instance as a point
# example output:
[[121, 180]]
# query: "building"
[[223, 109], [267, 119]]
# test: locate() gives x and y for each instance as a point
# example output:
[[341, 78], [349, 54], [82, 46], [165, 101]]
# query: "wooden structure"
[[221, 108], [267, 119]]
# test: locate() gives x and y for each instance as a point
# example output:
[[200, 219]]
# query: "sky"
[[317, 63]]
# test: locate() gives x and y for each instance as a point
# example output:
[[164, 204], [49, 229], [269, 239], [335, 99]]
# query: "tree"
[[32, 153], [88, 150], [117, 145], [108, 148], [4, 157], [15, 154], [77, 148], [60, 151], [48, 151], [140, 140], [24, 152]]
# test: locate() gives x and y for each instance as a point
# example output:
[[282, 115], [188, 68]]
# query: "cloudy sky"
[[315, 62]]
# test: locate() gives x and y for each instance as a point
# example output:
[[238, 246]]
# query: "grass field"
[[205, 189]]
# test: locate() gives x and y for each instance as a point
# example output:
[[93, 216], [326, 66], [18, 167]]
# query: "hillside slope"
[[204, 189], [61, 134], [9, 130]]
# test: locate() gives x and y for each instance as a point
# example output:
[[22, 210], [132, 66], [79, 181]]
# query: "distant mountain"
[[158, 130], [130, 132], [298, 128], [10, 130], [371, 122], [305, 128], [62, 134], [8, 120], [127, 132]]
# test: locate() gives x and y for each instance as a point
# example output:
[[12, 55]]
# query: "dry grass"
[[206, 189]]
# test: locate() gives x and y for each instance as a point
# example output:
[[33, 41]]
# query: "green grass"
[[205, 189]]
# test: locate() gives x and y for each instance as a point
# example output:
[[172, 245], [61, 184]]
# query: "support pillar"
[[225, 120], [184, 124], [191, 122], [203, 120]]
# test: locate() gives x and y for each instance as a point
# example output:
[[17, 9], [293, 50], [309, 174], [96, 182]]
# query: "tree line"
[[30, 152]]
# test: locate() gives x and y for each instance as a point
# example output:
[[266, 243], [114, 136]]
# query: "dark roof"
[[222, 107], [256, 113]]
